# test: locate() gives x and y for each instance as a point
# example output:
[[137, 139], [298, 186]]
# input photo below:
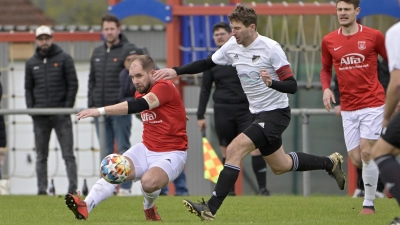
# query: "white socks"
[[149, 198], [370, 174], [100, 191]]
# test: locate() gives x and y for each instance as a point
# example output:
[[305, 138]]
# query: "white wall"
[[21, 139]]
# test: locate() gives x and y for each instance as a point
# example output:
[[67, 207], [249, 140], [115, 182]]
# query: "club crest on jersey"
[[362, 45], [255, 59]]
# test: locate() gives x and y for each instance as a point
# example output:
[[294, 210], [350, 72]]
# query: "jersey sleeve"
[[393, 47], [278, 57], [326, 70], [220, 57], [163, 91], [380, 45]]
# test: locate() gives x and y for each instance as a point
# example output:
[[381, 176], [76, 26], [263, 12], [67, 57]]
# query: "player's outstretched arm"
[[190, 68], [117, 109]]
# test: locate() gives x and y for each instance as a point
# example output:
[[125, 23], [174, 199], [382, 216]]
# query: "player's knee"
[[278, 170], [149, 184], [366, 155]]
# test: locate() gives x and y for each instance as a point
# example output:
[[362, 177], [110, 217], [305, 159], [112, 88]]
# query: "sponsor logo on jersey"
[[337, 48], [362, 45], [250, 79], [352, 59], [149, 116], [255, 59], [261, 124]]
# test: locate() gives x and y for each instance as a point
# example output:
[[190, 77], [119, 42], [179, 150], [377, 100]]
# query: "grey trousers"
[[42, 126]]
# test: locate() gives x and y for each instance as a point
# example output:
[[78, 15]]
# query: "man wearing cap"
[[51, 82]]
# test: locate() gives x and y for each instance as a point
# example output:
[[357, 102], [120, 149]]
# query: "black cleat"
[[200, 209], [396, 221]]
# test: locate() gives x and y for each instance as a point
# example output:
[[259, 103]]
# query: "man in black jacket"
[[51, 82], [104, 86]]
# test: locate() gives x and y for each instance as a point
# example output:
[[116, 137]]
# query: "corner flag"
[[212, 164]]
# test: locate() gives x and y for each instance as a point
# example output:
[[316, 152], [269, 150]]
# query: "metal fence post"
[[102, 137], [306, 174]]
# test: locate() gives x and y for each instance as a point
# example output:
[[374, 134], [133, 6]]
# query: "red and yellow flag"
[[212, 164]]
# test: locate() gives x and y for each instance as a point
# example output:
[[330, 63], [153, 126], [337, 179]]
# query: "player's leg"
[[226, 129], [384, 152], [259, 166], [370, 130], [102, 190], [164, 167]]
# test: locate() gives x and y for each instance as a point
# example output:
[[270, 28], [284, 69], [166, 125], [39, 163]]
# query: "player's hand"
[[337, 110], [166, 74], [327, 98], [266, 77], [201, 124], [94, 112]]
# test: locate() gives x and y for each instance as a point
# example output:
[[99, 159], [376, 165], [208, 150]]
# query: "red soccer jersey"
[[354, 58], [164, 127]]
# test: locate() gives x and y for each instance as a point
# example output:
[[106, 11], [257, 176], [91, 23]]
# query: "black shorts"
[[230, 120], [392, 133], [267, 128]]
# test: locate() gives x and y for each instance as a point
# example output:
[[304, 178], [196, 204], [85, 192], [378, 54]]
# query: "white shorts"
[[363, 123], [143, 159]]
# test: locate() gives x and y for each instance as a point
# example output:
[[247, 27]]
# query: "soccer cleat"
[[152, 214], [264, 192], [388, 195], [124, 192], [366, 210], [199, 209], [396, 221], [337, 172], [77, 206]]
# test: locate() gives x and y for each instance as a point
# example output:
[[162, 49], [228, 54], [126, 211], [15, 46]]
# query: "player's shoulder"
[[270, 43], [394, 30], [369, 30], [332, 35]]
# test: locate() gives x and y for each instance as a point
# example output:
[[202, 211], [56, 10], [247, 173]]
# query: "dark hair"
[[110, 18], [356, 3], [244, 14], [223, 25], [146, 61]]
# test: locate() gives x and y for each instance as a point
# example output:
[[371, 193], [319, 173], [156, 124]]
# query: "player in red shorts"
[[353, 51]]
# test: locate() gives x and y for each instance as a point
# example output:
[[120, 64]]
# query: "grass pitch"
[[274, 210]]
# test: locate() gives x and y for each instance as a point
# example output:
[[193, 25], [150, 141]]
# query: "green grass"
[[273, 210]]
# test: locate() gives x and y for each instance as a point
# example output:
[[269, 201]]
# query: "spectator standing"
[[51, 82], [231, 107], [104, 86]]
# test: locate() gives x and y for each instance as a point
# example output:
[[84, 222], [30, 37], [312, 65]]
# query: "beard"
[[143, 89]]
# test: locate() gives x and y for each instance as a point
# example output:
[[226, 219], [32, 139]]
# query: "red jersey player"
[[353, 50], [161, 157]]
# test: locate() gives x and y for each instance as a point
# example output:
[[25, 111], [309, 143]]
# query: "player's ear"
[[358, 9]]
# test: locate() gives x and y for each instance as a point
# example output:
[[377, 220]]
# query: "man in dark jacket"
[[105, 65], [51, 82]]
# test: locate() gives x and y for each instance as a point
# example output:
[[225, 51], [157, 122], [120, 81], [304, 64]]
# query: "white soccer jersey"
[[263, 53], [392, 44]]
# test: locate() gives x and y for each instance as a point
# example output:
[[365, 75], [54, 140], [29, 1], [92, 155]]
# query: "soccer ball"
[[115, 168]]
